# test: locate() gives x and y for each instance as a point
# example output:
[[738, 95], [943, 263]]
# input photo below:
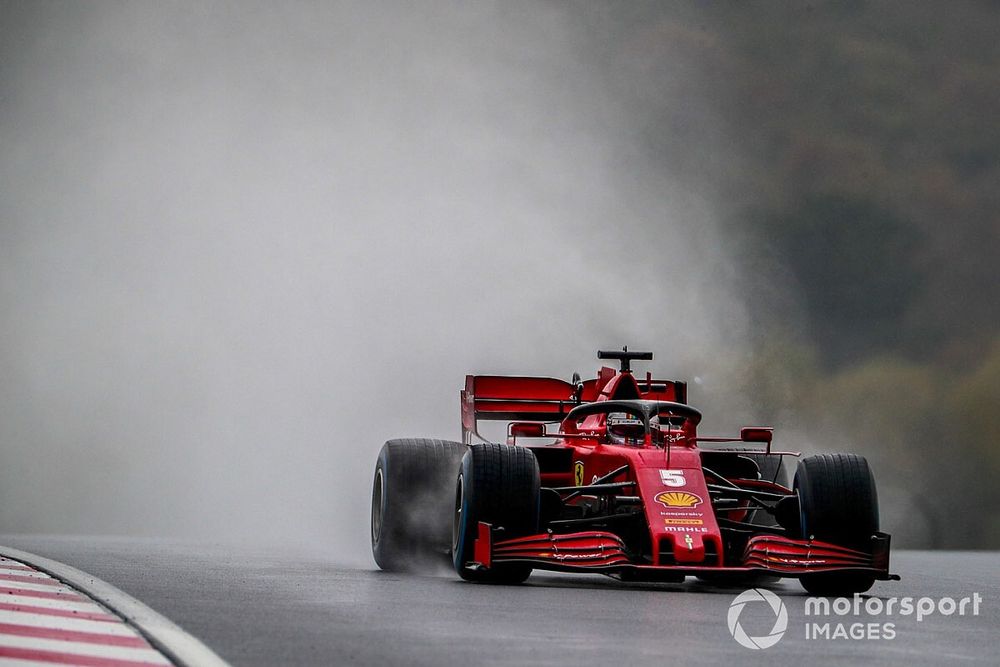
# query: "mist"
[[241, 245]]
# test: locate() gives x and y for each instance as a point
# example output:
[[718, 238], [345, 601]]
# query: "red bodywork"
[[690, 526]]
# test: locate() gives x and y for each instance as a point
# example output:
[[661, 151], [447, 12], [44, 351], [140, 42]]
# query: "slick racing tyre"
[[837, 504], [412, 496], [499, 485]]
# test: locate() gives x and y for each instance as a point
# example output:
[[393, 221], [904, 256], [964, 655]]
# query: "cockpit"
[[629, 422]]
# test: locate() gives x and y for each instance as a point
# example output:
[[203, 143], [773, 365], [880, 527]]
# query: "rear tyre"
[[412, 504], [499, 485], [838, 503]]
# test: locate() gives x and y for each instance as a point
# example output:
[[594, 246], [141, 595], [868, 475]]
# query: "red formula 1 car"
[[625, 487]]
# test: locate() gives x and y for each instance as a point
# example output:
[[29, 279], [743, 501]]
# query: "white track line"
[[34, 574], [66, 605], [42, 588], [63, 623]]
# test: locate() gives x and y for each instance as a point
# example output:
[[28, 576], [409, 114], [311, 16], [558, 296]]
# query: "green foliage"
[[924, 427], [975, 403]]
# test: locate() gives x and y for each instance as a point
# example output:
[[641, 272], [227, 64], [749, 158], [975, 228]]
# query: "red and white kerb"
[[45, 622]]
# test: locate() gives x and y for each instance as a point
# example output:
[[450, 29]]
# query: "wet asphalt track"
[[263, 607]]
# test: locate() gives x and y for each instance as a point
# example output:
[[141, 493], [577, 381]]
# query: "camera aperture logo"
[[772, 602]]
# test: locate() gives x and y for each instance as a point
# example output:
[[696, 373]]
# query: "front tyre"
[[838, 504], [499, 485], [412, 504]]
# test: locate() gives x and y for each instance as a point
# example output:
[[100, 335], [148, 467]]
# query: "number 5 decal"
[[672, 477]]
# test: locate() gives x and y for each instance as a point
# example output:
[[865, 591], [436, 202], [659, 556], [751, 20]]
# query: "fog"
[[243, 244]]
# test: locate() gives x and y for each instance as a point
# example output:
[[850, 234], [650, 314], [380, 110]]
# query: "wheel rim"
[[456, 526], [377, 502]]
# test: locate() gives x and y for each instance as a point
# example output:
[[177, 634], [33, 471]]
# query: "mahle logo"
[[772, 602]]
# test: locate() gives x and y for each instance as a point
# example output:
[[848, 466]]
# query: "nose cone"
[[679, 509]]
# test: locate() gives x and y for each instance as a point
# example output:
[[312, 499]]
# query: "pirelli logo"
[[683, 522]]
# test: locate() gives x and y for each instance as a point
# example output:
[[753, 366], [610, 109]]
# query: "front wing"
[[605, 553]]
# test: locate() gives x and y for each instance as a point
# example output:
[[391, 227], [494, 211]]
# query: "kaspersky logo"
[[772, 605]]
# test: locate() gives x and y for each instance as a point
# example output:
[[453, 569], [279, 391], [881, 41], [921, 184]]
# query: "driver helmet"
[[625, 429]]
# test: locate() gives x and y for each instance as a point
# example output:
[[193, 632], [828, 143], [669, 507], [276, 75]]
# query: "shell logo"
[[678, 499]]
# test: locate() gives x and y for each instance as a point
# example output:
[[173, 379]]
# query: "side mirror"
[[756, 434], [526, 430]]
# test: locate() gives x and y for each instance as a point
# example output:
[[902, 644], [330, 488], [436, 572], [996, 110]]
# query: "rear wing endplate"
[[506, 398]]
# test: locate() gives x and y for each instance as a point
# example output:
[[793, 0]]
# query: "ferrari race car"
[[624, 486]]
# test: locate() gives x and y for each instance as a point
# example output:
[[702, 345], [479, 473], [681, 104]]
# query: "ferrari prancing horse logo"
[[578, 473]]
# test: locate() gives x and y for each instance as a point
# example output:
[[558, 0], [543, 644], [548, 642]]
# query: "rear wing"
[[540, 399]]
